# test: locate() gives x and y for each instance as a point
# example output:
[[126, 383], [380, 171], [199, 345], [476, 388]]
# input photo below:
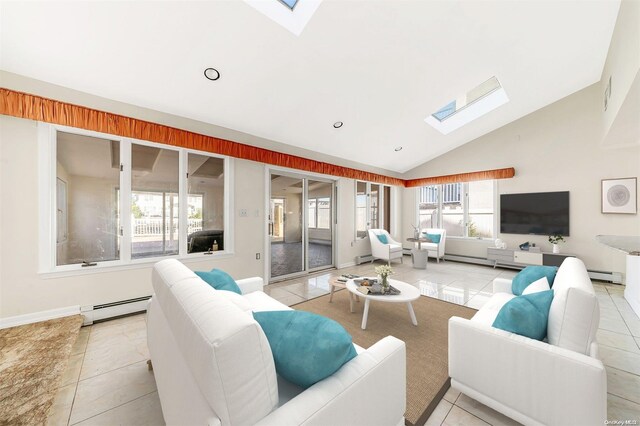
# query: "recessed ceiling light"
[[398, 148], [212, 74], [338, 124]]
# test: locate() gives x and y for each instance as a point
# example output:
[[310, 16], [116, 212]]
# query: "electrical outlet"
[[243, 212], [257, 256]]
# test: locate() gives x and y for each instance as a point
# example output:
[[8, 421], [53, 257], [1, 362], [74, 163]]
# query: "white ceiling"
[[381, 67]]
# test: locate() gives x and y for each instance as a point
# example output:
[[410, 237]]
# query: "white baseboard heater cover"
[[105, 311], [363, 259], [613, 277]]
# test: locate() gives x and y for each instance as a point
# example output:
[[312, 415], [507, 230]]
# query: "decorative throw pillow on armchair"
[[530, 274]]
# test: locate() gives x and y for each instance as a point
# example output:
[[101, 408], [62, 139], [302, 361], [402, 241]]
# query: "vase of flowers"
[[383, 272], [555, 240]]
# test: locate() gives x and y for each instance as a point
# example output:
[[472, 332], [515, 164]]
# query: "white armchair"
[[379, 250], [560, 381], [435, 249]]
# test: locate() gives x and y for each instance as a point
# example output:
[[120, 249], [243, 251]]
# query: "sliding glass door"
[[300, 225]]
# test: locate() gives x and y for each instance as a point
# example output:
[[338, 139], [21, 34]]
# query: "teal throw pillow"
[[526, 315], [435, 238], [219, 280], [306, 347], [382, 238], [530, 274]]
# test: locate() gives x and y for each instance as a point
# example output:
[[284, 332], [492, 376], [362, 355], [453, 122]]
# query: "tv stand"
[[516, 257]]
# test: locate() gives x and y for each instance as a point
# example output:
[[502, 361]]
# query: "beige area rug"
[[427, 344], [33, 358]]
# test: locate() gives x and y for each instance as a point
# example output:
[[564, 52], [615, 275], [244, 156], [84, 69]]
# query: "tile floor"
[[108, 383]]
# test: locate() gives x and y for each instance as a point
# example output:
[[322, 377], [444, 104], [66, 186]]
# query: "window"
[[154, 201], [289, 3], [313, 210], [472, 105], [428, 207], [362, 223], [324, 213], [453, 209], [480, 199], [463, 209], [205, 203], [320, 213], [87, 211], [373, 207], [110, 200]]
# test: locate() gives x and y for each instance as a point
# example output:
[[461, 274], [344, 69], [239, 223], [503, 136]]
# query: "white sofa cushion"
[[575, 313], [226, 349], [260, 302], [487, 315], [537, 286], [233, 297]]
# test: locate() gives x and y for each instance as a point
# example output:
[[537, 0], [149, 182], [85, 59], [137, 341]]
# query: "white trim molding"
[[38, 316]]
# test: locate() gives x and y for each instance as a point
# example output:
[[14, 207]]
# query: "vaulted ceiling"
[[381, 67]]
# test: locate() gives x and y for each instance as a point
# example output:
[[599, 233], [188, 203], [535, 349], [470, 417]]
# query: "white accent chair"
[[559, 382], [379, 250], [435, 249], [213, 364]]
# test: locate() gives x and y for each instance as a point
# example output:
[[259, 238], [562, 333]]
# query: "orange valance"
[[24, 105], [463, 177]]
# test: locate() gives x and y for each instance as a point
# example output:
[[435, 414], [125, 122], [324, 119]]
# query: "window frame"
[[317, 209], [315, 212], [380, 207], [47, 187], [465, 210]]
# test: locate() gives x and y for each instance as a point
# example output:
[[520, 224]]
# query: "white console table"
[[516, 257]]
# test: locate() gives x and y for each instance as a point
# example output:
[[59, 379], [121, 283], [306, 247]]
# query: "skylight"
[[294, 16], [474, 104], [290, 3]]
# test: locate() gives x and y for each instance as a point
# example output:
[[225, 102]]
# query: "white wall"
[[556, 148], [623, 61]]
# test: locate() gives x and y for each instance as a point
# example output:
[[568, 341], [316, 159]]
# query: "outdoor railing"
[[146, 227]]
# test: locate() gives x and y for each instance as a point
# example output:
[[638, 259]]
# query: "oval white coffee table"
[[408, 294]]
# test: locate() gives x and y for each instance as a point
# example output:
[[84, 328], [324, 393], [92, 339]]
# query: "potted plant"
[[555, 240]]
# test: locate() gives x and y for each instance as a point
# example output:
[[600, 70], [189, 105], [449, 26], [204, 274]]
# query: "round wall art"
[[619, 196]]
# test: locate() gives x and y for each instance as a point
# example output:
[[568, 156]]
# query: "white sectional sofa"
[[559, 382], [213, 364]]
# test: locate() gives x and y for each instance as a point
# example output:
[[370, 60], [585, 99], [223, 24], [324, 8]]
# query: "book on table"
[[346, 277]]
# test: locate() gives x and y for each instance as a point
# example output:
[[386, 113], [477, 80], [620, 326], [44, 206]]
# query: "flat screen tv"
[[536, 213]]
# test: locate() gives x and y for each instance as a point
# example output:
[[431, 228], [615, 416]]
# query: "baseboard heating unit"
[[363, 259], [613, 277], [105, 311]]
